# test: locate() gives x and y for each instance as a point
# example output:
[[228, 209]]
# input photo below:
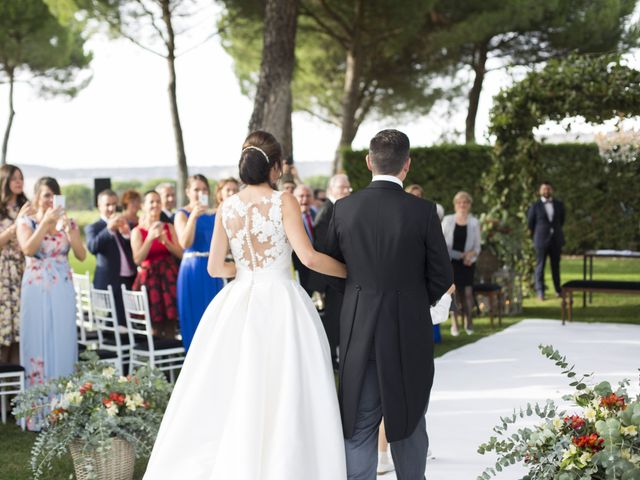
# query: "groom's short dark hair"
[[388, 151]]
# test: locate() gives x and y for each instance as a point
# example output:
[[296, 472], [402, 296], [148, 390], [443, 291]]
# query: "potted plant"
[[104, 419], [597, 440]]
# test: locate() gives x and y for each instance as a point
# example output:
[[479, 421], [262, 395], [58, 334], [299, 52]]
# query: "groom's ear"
[[369, 166]]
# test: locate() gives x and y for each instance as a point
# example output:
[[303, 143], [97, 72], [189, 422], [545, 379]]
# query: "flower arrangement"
[[91, 407], [598, 441]]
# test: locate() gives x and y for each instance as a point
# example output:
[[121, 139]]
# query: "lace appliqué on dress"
[[255, 230]]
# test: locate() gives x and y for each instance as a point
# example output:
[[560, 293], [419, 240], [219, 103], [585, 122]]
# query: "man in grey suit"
[[397, 265]]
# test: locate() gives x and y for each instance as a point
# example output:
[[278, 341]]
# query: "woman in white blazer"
[[462, 234]]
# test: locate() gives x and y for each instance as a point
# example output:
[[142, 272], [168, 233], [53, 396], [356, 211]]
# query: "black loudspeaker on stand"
[[99, 185]]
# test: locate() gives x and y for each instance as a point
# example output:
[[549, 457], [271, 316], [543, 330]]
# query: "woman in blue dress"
[[48, 337], [194, 226]]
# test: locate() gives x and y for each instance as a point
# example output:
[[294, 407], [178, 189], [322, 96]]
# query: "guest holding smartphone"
[[196, 288], [155, 245], [47, 301]]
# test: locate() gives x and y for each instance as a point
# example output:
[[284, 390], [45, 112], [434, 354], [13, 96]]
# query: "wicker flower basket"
[[116, 463]]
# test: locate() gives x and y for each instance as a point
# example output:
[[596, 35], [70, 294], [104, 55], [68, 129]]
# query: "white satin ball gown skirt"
[[256, 398]]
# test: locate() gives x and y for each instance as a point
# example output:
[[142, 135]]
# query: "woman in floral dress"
[[12, 202], [155, 247], [47, 301]]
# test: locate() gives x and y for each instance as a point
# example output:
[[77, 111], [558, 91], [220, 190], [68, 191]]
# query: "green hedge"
[[602, 199]]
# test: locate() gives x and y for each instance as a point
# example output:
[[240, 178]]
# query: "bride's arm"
[[216, 266], [301, 244]]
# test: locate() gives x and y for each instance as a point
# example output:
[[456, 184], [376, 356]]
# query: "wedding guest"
[[319, 197], [545, 221], [462, 235], [13, 203], [338, 188], [131, 205], [287, 185], [194, 227], [304, 196], [109, 239], [417, 191], [167, 194], [225, 188], [48, 339], [155, 246]]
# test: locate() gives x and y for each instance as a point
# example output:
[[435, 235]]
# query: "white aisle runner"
[[477, 383]]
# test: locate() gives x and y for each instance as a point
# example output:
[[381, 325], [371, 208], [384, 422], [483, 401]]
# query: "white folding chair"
[[11, 383], [111, 336], [163, 354], [87, 335]]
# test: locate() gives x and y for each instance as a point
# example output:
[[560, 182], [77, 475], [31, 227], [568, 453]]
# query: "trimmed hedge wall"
[[602, 199]]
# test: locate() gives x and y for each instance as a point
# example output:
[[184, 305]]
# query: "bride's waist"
[[264, 275]]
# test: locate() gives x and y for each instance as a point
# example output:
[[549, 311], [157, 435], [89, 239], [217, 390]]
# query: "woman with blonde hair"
[[462, 235], [226, 188]]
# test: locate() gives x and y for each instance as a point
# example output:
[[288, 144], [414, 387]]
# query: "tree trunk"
[[273, 103], [350, 93], [183, 170], [479, 68], [12, 113]]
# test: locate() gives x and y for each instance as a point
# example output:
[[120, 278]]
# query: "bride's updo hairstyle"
[[261, 152]]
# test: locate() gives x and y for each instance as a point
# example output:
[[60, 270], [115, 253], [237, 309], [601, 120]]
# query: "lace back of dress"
[[255, 230]]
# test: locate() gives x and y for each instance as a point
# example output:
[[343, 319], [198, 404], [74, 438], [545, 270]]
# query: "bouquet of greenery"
[[91, 407], [598, 441]]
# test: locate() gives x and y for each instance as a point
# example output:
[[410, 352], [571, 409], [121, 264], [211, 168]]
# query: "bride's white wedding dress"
[[256, 398]]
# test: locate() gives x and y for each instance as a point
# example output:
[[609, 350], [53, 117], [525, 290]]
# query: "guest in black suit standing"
[[546, 218], [109, 239], [397, 265], [337, 189], [304, 195], [167, 194]]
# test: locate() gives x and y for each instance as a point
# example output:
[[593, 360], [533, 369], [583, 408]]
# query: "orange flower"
[[589, 442], [86, 388], [613, 402]]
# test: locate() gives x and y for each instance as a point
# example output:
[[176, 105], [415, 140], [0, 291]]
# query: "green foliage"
[[596, 87], [37, 49], [121, 186], [317, 181], [600, 444], [597, 193], [79, 197], [154, 182]]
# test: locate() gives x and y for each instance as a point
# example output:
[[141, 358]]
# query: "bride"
[[256, 398]]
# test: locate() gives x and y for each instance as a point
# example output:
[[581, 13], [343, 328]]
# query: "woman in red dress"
[[155, 248]]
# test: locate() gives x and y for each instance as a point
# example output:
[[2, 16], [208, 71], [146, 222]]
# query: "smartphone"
[[204, 199], [59, 201]]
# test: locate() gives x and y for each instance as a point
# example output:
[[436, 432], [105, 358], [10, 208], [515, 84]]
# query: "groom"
[[397, 266]]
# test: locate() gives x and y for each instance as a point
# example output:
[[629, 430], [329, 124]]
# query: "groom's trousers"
[[409, 455]]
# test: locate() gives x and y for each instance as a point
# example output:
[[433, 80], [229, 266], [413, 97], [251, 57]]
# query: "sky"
[[122, 118]]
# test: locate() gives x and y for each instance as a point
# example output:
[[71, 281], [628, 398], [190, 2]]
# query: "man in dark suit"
[[546, 218], [304, 195], [108, 239], [397, 265], [337, 189]]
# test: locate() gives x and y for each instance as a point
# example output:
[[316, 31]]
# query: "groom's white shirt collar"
[[387, 178]]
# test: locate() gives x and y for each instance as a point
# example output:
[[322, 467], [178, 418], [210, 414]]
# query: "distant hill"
[[86, 175]]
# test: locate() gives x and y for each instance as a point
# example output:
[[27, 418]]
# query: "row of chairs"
[[133, 345]]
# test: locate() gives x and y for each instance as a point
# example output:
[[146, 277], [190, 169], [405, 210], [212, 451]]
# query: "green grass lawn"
[[15, 445]]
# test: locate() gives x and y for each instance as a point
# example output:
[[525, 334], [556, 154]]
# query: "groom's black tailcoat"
[[398, 266]]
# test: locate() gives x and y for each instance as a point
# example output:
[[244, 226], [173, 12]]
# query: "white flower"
[[134, 401], [630, 431], [73, 398], [123, 380], [590, 413], [108, 372], [112, 409], [585, 457], [557, 423]]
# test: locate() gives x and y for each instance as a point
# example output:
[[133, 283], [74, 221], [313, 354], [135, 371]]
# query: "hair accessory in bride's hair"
[[251, 147]]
